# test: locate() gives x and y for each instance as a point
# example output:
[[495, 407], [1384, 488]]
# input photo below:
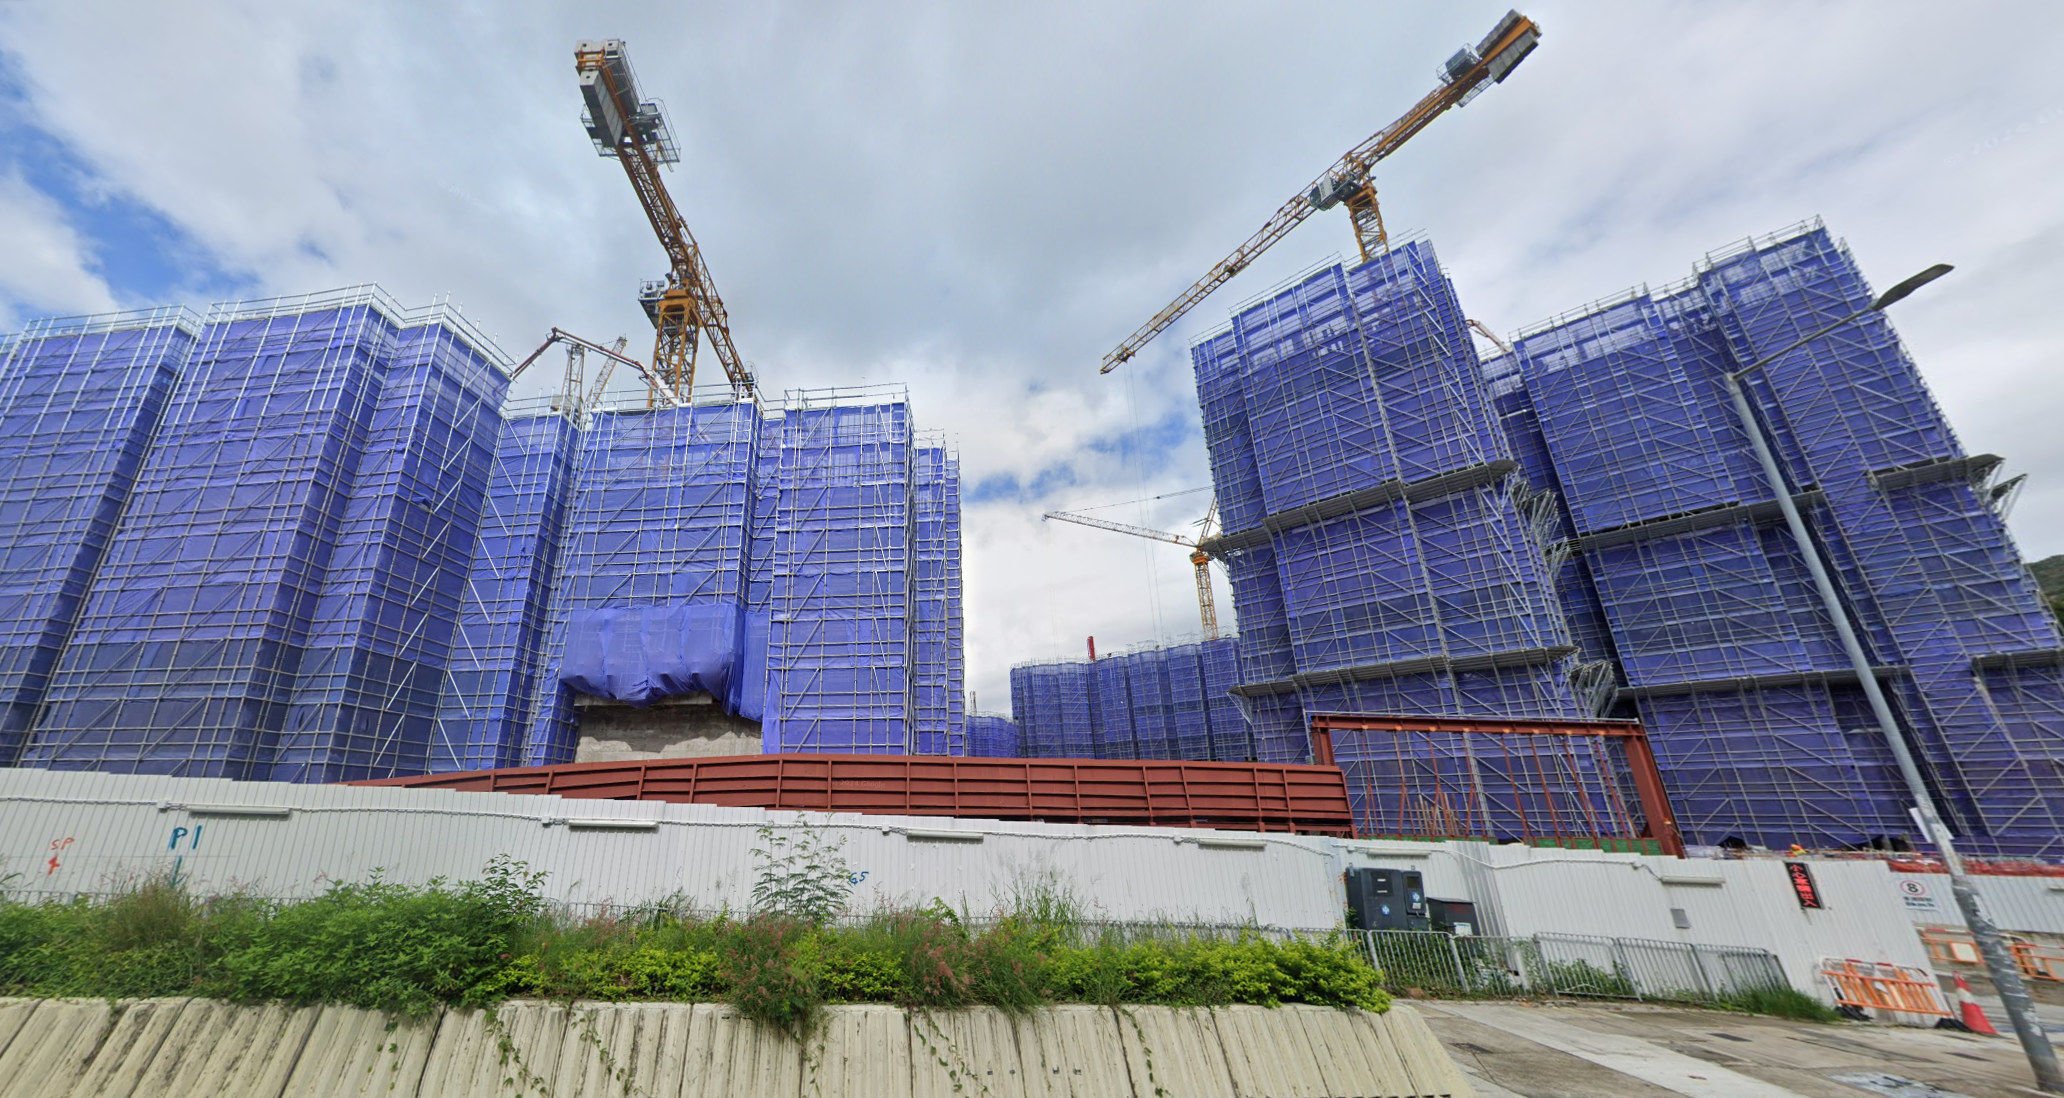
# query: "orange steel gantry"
[[635, 132], [1348, 181]]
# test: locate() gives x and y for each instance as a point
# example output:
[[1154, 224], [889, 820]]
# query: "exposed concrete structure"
[[198, 1047], [673, 729]]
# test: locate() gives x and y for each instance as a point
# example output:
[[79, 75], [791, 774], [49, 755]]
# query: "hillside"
[[2049, 572]]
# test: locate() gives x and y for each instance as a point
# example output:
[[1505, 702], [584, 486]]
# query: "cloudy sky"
[[979, 200]]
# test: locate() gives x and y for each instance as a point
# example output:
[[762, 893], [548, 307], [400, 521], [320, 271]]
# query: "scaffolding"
[[497, 669], [186, 650], [992, 736], [372, 669], [1149, 702], [79, 401], [1705, 601], [839, 658], [935, 601], [1390, 562], [304, 539]]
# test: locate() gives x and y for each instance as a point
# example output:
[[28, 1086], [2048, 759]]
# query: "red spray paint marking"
[[57, 845]]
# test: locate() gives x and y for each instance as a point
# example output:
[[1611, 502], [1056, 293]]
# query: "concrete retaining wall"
[[197, 1047]]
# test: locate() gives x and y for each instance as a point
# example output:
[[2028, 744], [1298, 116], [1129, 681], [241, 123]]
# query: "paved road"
[[1562, 1050]]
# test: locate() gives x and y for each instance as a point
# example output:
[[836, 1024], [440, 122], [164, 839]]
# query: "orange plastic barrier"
[[1875, 985], [1946, 948], [2039, 962]]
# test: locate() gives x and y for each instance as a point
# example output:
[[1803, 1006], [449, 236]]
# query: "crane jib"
[[1469, 71]]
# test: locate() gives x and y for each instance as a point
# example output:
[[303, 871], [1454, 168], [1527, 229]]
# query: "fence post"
[[1705, 980], [1461, 977], [1619, 948]]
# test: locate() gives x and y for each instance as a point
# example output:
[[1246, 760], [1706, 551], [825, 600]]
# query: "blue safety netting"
[[1727, 650], [1386, 552], [935, 605], [1113, 736], [1189, 716], [749, 692], [188, 644], [497, 666], [78, 403], [838, 652], [1149, 703], [1154, 731], [649, 600], [1229, 736], [993, 737], [372, 669]]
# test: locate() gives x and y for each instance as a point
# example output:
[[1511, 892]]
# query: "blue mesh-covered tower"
[[79, 401], [1146, 703], [372, 671], [493, 681], [187, 648], [1384, 557], [839, 655], [992, 736], [648, 606], [938, 674], [1696, 590], [305, 539]]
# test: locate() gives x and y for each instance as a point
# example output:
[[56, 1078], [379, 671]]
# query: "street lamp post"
[[2005, 973]]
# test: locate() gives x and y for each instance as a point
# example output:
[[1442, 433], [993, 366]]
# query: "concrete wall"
[[69, 832], [196, 1047], [675, 729]]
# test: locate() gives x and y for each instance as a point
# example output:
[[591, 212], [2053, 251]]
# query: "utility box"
[[1457, 917], [1386, 899]]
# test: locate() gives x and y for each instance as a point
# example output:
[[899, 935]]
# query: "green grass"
[[1781, 1002], [410, 949]]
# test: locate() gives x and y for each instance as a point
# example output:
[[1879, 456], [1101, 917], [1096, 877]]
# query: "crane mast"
[[1200, 562], [685, 304], [1348, 181]]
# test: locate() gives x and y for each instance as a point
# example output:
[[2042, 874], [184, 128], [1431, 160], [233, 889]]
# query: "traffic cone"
[[1973, 1015]]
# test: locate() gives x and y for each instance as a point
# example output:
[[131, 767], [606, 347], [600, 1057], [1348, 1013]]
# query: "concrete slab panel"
[[132, 1046], [745, 1058], [54, 1047], [352, 1052], [1074, 1052], [957, 1053], [1176, 1050], [216, 1049], [861, 1051]]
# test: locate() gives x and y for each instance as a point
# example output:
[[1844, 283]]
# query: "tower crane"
[[634, 131], [1348, 181], [1207, 605]]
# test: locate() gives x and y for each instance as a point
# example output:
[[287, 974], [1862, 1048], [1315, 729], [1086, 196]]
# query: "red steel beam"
[[1239, 796]]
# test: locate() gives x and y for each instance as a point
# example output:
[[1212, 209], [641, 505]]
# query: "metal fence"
[[1569, 964]]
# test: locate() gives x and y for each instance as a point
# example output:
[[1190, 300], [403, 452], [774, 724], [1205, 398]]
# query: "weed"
[[1780, 1002]]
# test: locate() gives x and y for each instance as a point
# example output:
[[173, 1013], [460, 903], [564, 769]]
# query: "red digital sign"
[[1802, 885]]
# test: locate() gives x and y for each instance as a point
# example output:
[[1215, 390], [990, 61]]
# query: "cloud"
[[47, 269], [978, 201]]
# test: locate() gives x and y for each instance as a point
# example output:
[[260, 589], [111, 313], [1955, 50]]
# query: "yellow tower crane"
[[1348, 182], [1207, 605], [685, 304]]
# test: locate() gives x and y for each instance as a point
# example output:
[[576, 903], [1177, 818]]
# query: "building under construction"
[[300, 539], [1578, 528]]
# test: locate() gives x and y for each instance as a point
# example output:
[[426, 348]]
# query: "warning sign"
[[1919, 894]]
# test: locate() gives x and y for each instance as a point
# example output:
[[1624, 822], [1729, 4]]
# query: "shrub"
[[410, 948], [772, 971]]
